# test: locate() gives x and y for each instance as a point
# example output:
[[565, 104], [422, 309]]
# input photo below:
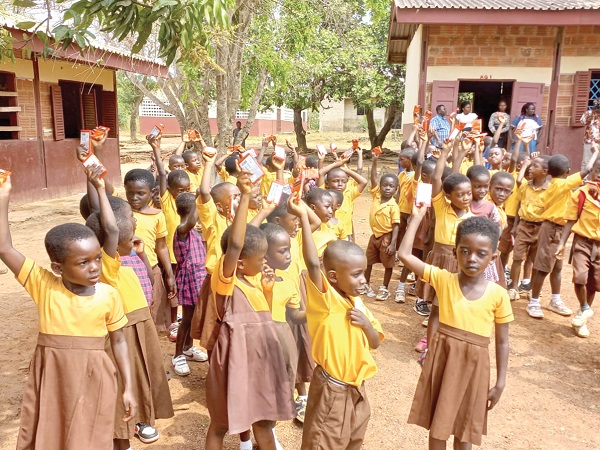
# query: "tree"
[[130, 99]]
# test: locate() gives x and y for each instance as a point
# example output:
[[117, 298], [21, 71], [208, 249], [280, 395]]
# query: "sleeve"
[[375, 192], [586, 117], [354, 192], [503, 312], [115, 317], [110, 269], [515, 122], [294, 301], [34, 279], [507, 123], [492, 123], [376, 324], [439, 204], [572, 209], [395, 213], [223, 173], [435, 276], [161, 226], [574, 181], [164, 199], [495, 216], [220, 284], [206, 213], [318, 299]]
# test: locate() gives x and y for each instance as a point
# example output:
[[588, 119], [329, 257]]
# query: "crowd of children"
[[264, 268]]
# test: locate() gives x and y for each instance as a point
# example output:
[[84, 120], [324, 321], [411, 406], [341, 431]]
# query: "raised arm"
[[160, 166], [590, 164], [107, 217], [204, 189], [374, 179], [237, 235], [309, 249], [498, 132], [359, 161], [13, 259], [436, 179], [181, 147], [405, 250], [92, 194], [263, 147], [420, 158], [187, 224], [492, 125], [361, 182], [325, 170]]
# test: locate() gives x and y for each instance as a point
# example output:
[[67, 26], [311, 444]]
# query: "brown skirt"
[[149, 380], [160, 308], [205, 322], [441, 256], [290, 352], [451, 396], [306, 363], [69, 400]]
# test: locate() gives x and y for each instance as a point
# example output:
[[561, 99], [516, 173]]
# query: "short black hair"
[[59, 238], [453, 180], [338, 251], [140, 175], [218, 189], [252, 241], [280, 210], [389, 175], [464, 103], [408, 152], [446, 172], [334, 171], [174, 158], [177, 177], [122, 211], [477, 171], [438, 108], [312, 161], [481, 226], [338, 196], [558, 165], [184, 203], [545, 160], [230, 163], [272, 230], [316, 195], [428, 166], [84, 207], [501, 175], [290, 164], [188, 155]]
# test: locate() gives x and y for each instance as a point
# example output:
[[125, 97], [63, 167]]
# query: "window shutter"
[[90, 119], [58, 120], [581, 96], [443, 93], [109, 113]]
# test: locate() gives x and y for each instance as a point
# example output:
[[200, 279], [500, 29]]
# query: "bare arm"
[[374, 180], [296, 316], [313, 219], [237, 235], [590, 164], [564, 237], [361, 182], [359, 162], [162, 251], [121, 354], [436, 179], [13, 259], [139, 247], [263, 148], [405, 249], [204, 189], [187, 224], [325, 170], [502, 350], [181, 147], [309, 249], [420, 159], [160, 167], [413, 133], [107, 217]]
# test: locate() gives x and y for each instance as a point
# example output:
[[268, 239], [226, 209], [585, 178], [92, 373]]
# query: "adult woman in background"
[[494, 123], [528, 124], [466, 116]]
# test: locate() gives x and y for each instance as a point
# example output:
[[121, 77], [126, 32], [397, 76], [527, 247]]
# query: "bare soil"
[[552, 399]]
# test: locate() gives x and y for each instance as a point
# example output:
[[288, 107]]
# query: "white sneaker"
[[582, 331], [180, 366], [370, 292], [581, 317], [195, 354], [535, 310], [559, 307], [383, 294], [400, 296]]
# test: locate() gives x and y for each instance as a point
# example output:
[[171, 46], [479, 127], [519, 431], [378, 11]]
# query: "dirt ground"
[[552, 398]]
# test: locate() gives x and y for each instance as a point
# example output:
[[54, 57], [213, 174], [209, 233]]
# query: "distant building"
[[273, 121], [344, 116], [541, 51]]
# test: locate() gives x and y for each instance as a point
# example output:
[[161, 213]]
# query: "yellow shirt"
[[557, 197], [465, 165], [383, 216], [295, 267], [64, 313], [150, 227], [532, 201], [406, 198], [446, 220], [266, 181], [226, 178], [285, 295], [588, 224], [124, 280], [169, 209], [224, 286], [195, 179], [346, 210], [252, 213], [475, 316], [342, 349], [213, 227], [502, 214], [322, 237], [512, 202]]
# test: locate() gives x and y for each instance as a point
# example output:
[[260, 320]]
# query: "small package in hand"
[[85, 139], [272, 138], [301, 162], [275, 192], [423, 197], [377, 151], [251, 152], [322, 150], [458, 127], [4, 174], [287, 189], [231, 208], [99, 132], [417, 114], [298, 187], [355, 144], [92, 160], [279, 153], [348, 153], [333, 147], [248, 164], [194, 135], [209, 151], [477, 126], [156, 130]]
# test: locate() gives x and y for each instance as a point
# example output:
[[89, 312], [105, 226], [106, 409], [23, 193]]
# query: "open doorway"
[[485, 96]]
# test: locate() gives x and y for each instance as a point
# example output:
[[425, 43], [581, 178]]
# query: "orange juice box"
[[92, 160]]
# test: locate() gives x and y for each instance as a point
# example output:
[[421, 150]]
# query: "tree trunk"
[[371, 127], [377, 139], [253, 108], [299, 130], [135, 114]]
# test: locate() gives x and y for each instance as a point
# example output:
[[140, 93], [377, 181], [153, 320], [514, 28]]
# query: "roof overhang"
[[92, 56], [405, 21]]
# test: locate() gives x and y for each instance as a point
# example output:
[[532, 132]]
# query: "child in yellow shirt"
[[384, 219], [343, 332], [194, 168]]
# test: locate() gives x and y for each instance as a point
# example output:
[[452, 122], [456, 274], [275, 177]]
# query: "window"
[[594, 88], [150, 109], [9, 111], [360, 111]]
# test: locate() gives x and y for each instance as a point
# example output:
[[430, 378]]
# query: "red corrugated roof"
[[539, 5]]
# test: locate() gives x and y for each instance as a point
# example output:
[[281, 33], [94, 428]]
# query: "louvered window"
[[9, 109], [585, 90]]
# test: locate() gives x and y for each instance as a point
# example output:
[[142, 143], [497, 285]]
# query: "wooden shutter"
[[581, 96], [109, 113], [58, 119], [444, 93], [88, 100], [526, 93]]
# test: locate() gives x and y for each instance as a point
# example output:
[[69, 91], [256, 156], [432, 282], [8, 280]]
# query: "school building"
[[342, 115], [541, 51], [45, 102]]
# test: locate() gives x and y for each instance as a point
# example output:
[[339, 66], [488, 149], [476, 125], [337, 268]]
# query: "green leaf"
[[24, 3], [25, 25]]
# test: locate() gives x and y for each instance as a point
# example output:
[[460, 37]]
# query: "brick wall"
[[581, 41], [564, 101], [491, 45], [26, 101]]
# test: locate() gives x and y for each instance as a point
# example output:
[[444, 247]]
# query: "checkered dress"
[[191, 269], [138, 266]]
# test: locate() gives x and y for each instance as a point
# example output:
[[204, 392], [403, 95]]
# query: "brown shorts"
[[586, 263], [526, 240], [505, 245], [549, 236], [376, 252], [336, 415]]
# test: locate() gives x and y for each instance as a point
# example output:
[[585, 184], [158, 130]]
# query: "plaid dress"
[[138, 266], [191, 269]]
